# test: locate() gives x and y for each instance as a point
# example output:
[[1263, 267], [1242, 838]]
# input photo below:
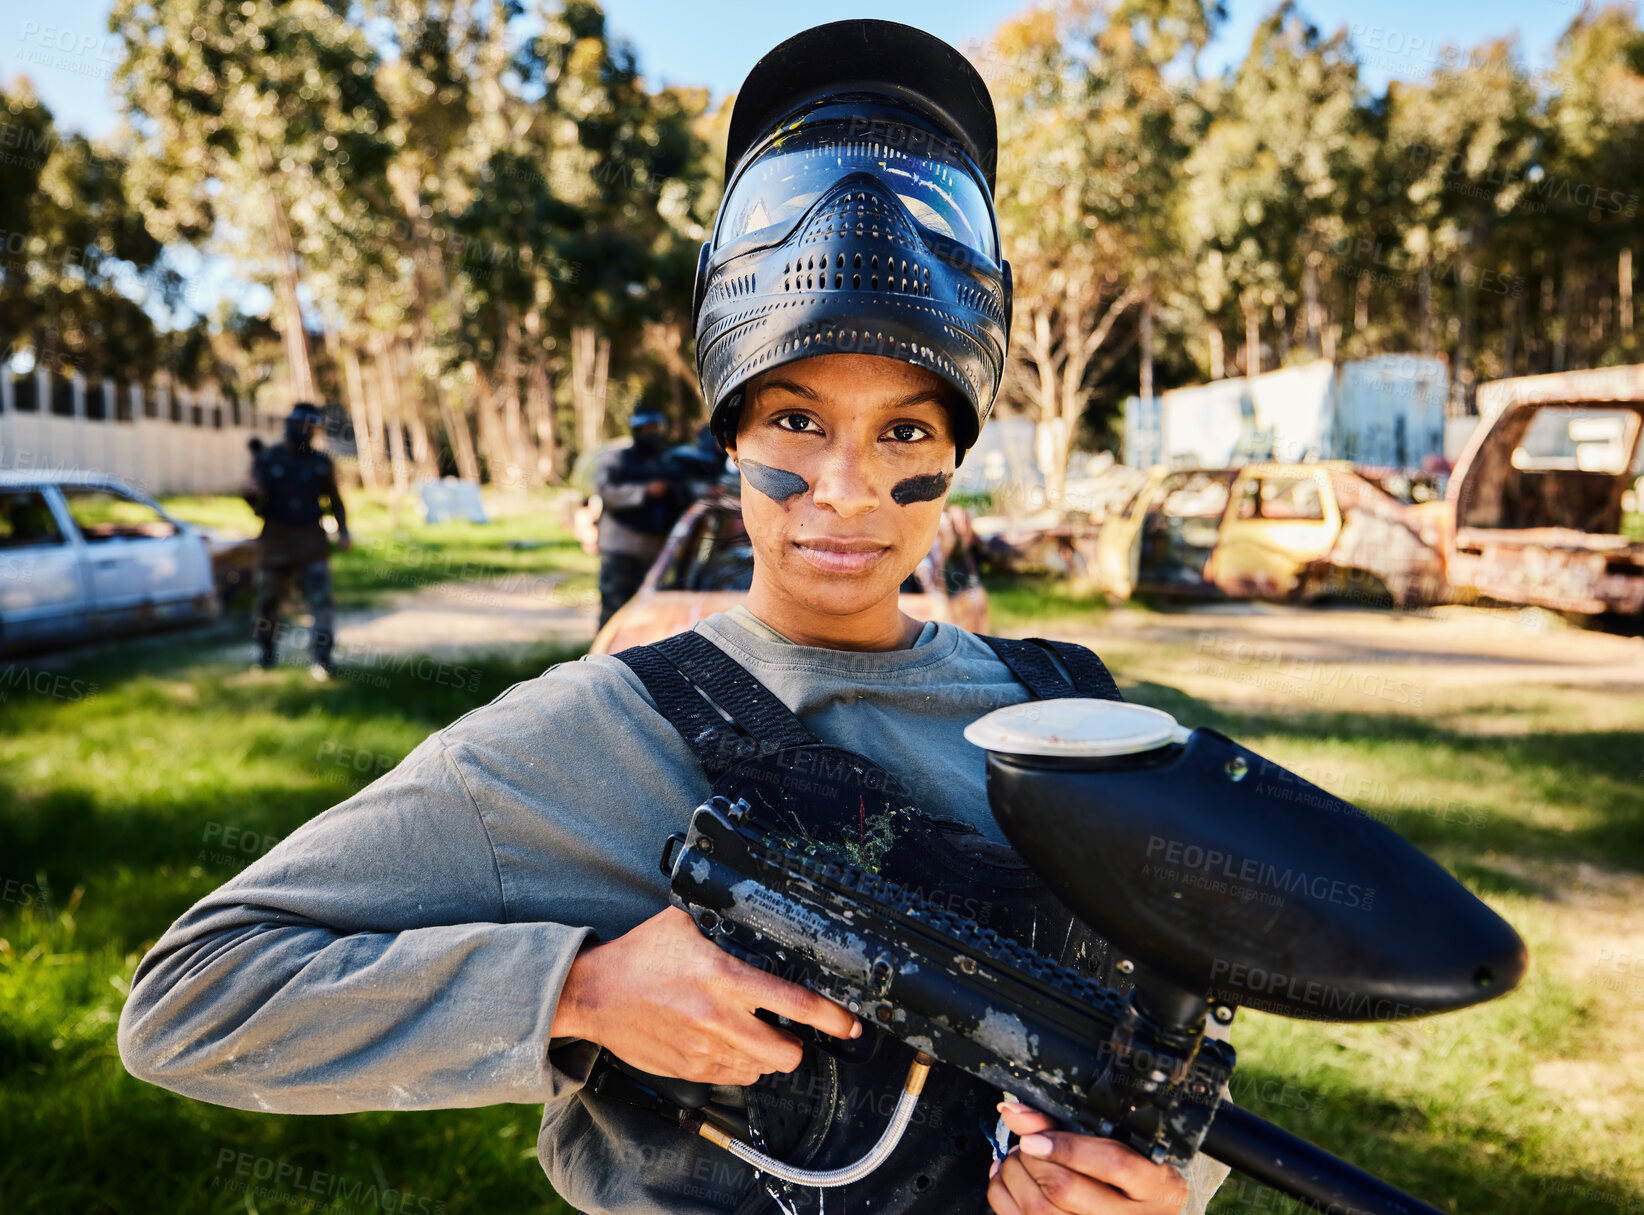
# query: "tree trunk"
[[1145, 387], [498, 466], [456, 427], [376, 435], [1361, 305], [364, 445], [513, 419], [1512, 307], [539, 403], [590, 367], [1252, 338], [1312, 310], [388, 387], [292, 336], [364, 455], [1218, 355], [667, 342], [1425, 295], [1561, 343], [1624, 277], [1463, 373]]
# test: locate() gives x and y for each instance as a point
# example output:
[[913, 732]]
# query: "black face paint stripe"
[[921, 489], [777, 484]]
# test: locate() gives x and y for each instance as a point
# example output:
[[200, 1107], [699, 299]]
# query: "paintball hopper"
[[1225, 876]]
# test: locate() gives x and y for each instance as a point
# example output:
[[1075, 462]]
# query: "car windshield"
[[716, 556], [105, 515]]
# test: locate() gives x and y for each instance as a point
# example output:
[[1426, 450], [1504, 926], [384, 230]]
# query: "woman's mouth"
[[842, 556]]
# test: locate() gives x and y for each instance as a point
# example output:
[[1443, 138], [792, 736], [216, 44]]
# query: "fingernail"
[[1012, 1107], [1036, 1145], [994, 1170], [856, 1029]]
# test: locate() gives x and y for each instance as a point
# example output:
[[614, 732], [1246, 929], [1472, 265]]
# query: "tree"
[[1273, 176], [1092, 134], [260, 126]]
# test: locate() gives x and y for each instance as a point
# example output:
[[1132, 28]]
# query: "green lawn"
[[525, 551], [132, 784]]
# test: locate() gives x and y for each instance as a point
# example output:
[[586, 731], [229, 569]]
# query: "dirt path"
[[470, 617], [1366, 661]]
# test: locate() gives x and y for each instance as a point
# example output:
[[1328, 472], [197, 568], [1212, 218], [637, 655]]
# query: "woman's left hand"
[[1052, 1171]]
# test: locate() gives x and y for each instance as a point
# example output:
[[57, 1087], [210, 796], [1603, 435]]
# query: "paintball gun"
[[1220, 879]]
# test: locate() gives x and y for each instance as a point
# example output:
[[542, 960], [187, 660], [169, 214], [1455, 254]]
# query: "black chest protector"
[[831, 1109], [293, 482]]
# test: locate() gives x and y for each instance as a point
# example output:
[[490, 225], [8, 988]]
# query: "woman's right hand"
[[665, 999]]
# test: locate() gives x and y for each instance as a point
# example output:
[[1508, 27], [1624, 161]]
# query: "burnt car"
[[1300, 532], [706, 566], [84, 556], [1543, 492]]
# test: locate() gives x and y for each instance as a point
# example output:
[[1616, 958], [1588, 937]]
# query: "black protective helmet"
[[858, 217], [302, 416]]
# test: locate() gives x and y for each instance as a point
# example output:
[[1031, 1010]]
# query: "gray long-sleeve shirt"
[[406, 948], [614, 536]]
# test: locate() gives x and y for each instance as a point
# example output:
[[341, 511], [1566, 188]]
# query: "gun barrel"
[[1281, 1161]]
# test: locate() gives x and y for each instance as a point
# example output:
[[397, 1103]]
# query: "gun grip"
[[846, 1050], [687, 1094]]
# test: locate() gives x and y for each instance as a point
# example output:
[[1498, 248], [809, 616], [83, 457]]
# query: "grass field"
[[527, 545], [133, 783]]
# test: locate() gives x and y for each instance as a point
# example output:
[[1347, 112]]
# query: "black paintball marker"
[[1220, 879]]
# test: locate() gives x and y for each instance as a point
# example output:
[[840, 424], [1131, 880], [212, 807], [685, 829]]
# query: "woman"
[[487, 922]]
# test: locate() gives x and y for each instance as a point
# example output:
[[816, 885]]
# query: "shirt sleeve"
[[366, 962], [613, 494]]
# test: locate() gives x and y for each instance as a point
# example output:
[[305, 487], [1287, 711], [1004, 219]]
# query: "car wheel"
[[1349, 588]]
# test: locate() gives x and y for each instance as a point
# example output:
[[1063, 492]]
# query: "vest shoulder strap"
[[729, 684], [715, 741], [1031, 663], [725, 714]]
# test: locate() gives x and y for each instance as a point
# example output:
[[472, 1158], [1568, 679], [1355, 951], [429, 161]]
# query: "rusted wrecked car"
[[706, 566], [1302, 532], [1546, 493]]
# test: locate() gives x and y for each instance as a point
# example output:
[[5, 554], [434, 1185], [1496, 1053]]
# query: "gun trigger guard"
[[670, 847]]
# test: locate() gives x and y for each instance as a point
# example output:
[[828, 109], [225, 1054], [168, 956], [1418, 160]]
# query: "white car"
[[84, 556]]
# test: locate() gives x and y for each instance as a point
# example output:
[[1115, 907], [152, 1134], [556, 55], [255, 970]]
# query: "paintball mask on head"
[[858, 219], [650, 431], [301, 423]]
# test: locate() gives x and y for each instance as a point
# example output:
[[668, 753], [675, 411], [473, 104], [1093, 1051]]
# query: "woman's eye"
[[907, 432], [799, 420]]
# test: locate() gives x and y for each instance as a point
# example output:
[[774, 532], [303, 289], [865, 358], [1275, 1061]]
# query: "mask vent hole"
[[838, 280], [858, 262], [841, 260], [876, 261], [856, 281], [874, 282]]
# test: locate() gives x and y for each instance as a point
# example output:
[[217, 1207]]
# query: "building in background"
[[1387, 410]]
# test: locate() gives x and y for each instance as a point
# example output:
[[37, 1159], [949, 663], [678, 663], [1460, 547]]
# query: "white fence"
[[160, 438]]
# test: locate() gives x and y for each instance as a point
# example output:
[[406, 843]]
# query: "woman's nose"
[[843, 481]]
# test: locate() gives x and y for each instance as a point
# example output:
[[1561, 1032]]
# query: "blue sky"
[[65, 47]]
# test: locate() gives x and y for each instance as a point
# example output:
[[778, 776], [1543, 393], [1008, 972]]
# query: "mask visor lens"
[[933, 181]]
